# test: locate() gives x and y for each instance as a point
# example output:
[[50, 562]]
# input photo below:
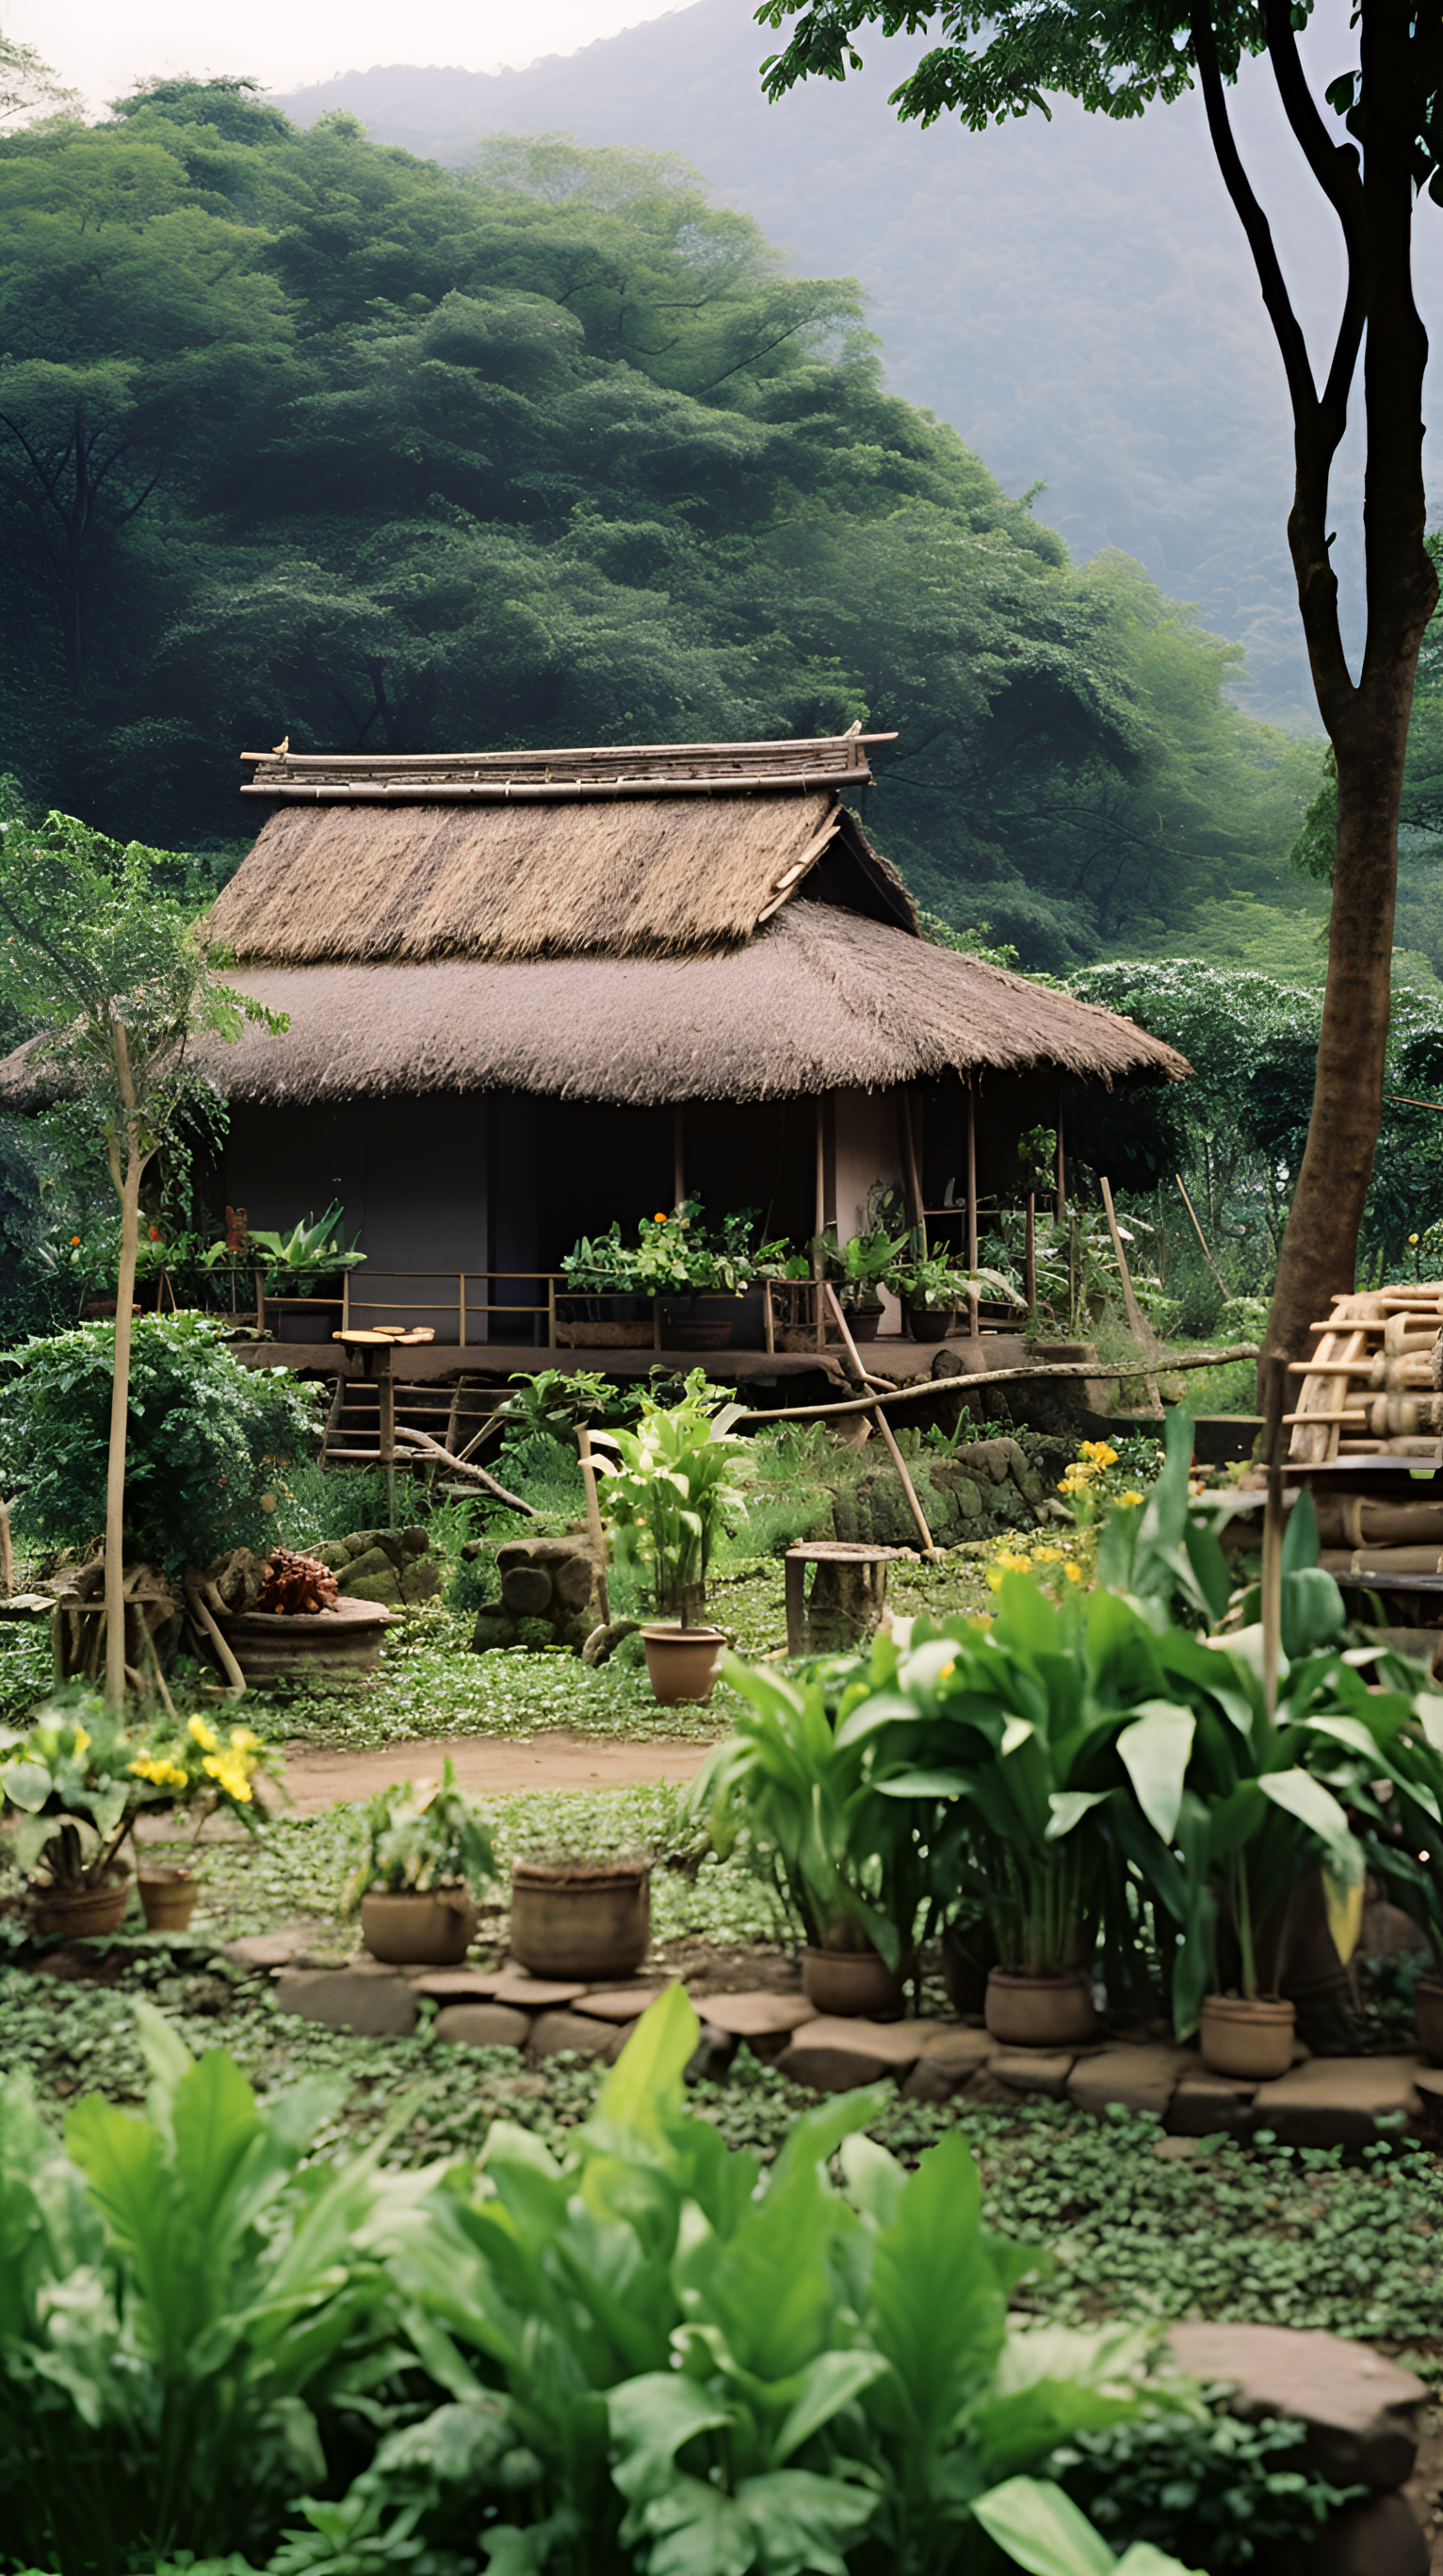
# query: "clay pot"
[[852, 1981], [83, 1913], [168, 1899], [967, 1961], [434, 1930], [1041, 2012], [930, 1323], [862, 1321], [681, 1663], [1428, 2010], [1253, 2039], [573, 1919]]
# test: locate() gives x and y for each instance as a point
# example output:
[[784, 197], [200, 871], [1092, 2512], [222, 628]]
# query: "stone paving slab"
[[1360, 2409], [1033, 2070], [756, 2015], [1142, 2079], [1337, 2101], [482, 2026], [536, 1994], [377, 2002], [618, 2003], [452, 1985]]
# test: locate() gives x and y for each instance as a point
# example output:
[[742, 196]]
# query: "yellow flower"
[[1047, 1556], [946, 1673], [244, 1741], [82, 1744], [1073, 1573], [1099, 1451], [994, 1578], [231, 1775], [208, 1742], [1127, 1500], [160, 1773], [1412, 1238]]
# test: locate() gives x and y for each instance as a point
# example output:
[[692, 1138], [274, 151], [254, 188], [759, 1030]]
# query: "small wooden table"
[[849, 1593]]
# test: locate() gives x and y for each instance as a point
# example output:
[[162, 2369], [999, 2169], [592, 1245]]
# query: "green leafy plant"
[[558, 1401], [422, 1838], [675, 1254], [206, 1436], [1233, 2493], [863, 1263], [76, 1779], [800, 1788], [710, 2374], [182, 2305], [313, 1249], [675, 1483], [933, 1279]]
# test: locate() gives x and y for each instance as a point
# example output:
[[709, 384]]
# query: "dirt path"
[[495, 1768]]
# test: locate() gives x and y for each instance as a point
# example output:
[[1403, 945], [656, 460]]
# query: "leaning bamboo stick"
[[1202, 1238], [981, 1379], [595, 1531], [930, 1548], [1129, 1293]]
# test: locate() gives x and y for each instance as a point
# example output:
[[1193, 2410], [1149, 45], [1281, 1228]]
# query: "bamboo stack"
[[1371, 1387]]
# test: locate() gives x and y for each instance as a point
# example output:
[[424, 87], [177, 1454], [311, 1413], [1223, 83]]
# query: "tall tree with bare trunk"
[[1381, 146], [115, 978]]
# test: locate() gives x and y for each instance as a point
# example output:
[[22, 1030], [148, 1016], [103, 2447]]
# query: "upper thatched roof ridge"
[[604, 772], [657, 877]]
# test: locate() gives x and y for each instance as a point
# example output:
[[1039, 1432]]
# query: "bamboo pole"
[[1197, 1229], [1272, 1582], [1129, 1293], [593, 1521], [914, 1185], [929, 1545], [848, 1344], [1061, 1163], [1029, 1255], [1182, 1365], [974, 1309], [820, 1226], [7, 1553], [678, 1157]]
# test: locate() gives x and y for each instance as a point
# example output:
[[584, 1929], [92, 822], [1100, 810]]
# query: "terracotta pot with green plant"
[[798, 1781], [933, 1289], [669, 1493], [426, 1847], [74, 1784]]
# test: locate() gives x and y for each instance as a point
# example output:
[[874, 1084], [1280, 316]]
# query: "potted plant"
[[301, 1268], [932, 1289], [863, 1266], [669, 1492], [424, 1846], [580, 1917], [199, 1770], [75, 1782], [801, 1785]]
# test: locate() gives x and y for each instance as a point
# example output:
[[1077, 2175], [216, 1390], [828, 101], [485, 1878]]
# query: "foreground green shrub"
[[644, 2357], [208, 1438]]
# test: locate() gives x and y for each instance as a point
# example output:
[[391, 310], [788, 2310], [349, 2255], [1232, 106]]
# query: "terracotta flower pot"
[[681, 1663], [82, 1913], [168, 1899], [433, 1930], [1253, 2039], [852, 1981], [1041, 2012], [1428, 2010], [930, 1323], [574, 1919], [862, 1321]]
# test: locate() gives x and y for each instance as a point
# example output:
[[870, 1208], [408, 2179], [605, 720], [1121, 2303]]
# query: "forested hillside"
[[304, 435]]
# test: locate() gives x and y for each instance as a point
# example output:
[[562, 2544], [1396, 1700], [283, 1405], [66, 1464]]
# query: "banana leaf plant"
[[712, 2368], [672, 1487], [804, 1794]]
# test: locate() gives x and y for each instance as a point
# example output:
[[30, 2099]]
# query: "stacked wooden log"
[[1371, 1387]]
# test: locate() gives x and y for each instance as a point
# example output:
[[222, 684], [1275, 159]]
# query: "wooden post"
[[769, 1320], [461, 1307], [1061, 1163], [794, 1573], [550, 1312], [974, 1324], [1272, 1583], [915, 1209], [7, 1553], [1129, 1294], [386, 1424], [593, 1521], [845, 1330], [678, 1157], [1029, 1255], [820, 1227], [345, 1301], [260, 1303]]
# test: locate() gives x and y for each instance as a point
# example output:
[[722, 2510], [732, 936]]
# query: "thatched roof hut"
[[682, 927]]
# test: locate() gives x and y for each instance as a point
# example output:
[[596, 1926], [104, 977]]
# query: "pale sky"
[[100, 49]]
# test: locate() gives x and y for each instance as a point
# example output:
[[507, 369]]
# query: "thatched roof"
[[821, 999], [662, 877], [561, 777]]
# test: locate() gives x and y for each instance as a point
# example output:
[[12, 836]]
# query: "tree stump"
[[847, 1599]]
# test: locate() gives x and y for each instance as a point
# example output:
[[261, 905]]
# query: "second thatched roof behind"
[[644, 878], [820, 1000]]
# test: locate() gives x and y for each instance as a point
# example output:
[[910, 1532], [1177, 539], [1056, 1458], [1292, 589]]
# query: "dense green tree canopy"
[[299, 434]]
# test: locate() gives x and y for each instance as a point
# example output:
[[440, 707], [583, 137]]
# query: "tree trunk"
[[119, 1423]]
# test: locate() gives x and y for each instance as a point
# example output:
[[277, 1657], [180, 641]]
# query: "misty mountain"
[[1075, 297]]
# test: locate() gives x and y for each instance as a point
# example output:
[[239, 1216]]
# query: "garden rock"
[[552, 2032], [1360, 2410], [1337, 2101], [957, 2051], [394, 1567], [452, 1985], [619, 2003], [546, 1590], [711, 2057], [482, 2026], [757, 2015], [1378, 2537], [832, 2054], [929, 2081], [273, 1949], [366, 1997], [1033, 2070], [1205, 2105], [1142, 2079], [534, 1994]]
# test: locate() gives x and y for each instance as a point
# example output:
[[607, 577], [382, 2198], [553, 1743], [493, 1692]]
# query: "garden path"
[[488, 1766]]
